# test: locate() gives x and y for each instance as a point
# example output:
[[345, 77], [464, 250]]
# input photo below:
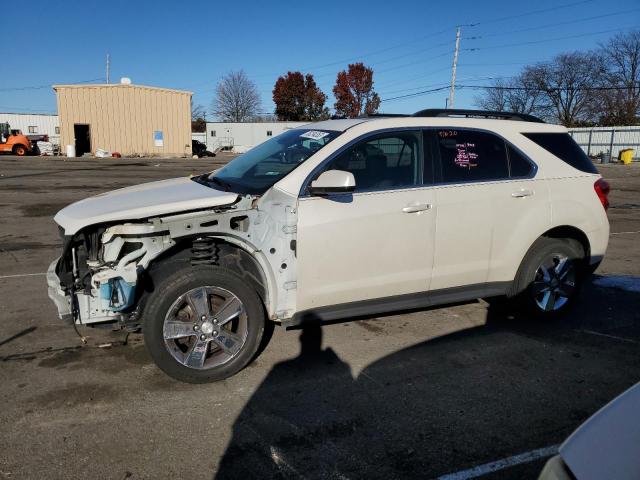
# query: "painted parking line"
[[608, 335], [624, 233], [20, 275], [503, 464]]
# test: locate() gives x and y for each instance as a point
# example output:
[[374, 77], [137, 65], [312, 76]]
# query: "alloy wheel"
[[554, 283], [205, 327]]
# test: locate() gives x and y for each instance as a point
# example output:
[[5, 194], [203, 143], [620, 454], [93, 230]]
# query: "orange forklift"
[[13, 141]]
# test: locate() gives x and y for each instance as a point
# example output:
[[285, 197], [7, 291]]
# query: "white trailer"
[[34, 124], [243, 135]]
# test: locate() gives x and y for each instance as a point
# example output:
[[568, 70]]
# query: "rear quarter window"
[[565, 148]]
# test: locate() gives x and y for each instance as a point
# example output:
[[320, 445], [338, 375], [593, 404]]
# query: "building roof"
[[120, 85], [37, 114]]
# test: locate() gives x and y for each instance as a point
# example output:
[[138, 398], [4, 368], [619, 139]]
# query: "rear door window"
[[471, 156], [565, 148]]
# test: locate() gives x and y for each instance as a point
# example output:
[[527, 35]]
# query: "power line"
[[413, 79], [369, 54], [488, 21], [40, 87], [493, 87], [533, 42], [417, 39], [398, 67], [417, 94], [546, 90], [439, 84], [568, 22], [533, 12]]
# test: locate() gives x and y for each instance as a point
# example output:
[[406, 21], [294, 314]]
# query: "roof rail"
[[383, 115], [441, 112]]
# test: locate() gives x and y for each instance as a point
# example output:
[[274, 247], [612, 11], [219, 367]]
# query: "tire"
[[190, 348], [549, 279], [20, 150]]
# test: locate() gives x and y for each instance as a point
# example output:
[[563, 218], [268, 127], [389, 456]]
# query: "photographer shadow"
[[460, 399]]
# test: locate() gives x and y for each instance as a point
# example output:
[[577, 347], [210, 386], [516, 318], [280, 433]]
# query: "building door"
[[82, 135]]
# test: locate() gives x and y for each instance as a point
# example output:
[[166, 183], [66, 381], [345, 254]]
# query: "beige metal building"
[[124, 118]]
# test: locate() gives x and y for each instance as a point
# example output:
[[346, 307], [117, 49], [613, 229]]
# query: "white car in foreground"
[[336, 219]]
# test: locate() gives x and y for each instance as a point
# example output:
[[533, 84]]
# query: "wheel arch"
[[573, 233], [558, 232], [223, 251]]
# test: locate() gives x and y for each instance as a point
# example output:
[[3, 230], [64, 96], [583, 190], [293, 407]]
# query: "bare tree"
[[567, 82], [237, 98], [518, 94], [620, 100], [198, 118], [524, 97], [198, 112], [493, 97]]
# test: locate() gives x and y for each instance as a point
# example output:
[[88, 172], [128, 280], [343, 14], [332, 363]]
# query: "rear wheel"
[[550, 277], [20, 150], [203, 324]]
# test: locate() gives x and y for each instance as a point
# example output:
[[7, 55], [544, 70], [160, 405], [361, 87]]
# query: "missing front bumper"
[[57, 295]]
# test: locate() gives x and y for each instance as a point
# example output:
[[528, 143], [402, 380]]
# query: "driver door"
[[376, 242]]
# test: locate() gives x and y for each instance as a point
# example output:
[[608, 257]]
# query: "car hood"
[[141, 201]]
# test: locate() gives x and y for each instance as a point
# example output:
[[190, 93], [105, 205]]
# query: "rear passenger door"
[[480, 206]]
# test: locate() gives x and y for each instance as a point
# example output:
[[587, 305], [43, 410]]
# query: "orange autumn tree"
[[298, 98], [354, 92]]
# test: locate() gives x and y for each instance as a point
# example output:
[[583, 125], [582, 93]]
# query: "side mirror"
[[333, 181]]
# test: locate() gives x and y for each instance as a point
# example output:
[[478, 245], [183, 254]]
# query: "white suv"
[[336, 219]]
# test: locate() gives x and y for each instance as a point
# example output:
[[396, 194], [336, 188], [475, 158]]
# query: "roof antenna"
[[108, 66]]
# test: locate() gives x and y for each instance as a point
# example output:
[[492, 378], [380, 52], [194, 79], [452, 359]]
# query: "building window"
[[33, 129], [213, 133], [269, 133], [57, 130]]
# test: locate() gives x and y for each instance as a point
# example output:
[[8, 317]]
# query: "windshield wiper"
[[225, 185]]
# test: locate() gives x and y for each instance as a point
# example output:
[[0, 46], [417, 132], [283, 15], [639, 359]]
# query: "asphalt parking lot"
[[415, 395]]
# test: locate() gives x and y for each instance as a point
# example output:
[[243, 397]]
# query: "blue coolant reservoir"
[[116, 294]]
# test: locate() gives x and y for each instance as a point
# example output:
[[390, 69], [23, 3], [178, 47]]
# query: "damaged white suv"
[[337, 219]]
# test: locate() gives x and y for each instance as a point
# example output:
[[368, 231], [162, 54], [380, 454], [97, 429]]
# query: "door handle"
[[522, 193], [418, 207]]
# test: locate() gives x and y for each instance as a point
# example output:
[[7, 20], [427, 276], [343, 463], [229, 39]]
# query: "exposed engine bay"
[[100, 274]]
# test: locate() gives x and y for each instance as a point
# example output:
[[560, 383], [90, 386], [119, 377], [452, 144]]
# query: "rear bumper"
[[57, 295]]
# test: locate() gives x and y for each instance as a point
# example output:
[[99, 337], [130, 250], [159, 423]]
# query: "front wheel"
[[203, 324], [20, 150], [550, 277]]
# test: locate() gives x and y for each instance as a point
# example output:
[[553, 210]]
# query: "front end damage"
[[100, 275], [95, 279]]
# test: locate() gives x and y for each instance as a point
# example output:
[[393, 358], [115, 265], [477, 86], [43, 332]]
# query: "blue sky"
[[191, 44]]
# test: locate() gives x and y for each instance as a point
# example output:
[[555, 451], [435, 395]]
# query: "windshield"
[[257, 170]]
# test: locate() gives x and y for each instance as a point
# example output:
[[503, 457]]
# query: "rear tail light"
[[602, 190]]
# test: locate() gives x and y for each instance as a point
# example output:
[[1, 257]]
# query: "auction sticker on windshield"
[[314, 134]]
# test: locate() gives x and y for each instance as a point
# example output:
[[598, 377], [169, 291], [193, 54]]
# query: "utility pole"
[[108, 66], [452, 91]]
